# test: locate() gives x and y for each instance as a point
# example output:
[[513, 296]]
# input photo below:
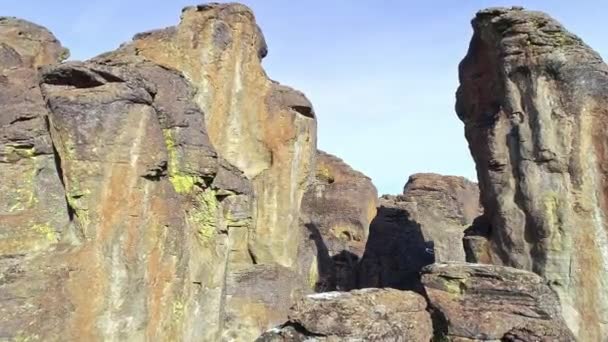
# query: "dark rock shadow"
[[395, 253], [325, 267], [336, 272], [345, 268]]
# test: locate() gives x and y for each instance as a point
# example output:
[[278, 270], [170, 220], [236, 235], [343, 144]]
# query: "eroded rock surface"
[[266, 130], [474, 302], [33, 208], [424, 224], [154, 191], [337, 210], [533, 100], [359, 315]]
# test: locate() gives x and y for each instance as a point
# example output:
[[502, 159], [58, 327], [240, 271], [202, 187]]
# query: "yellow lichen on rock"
[[204, 215], [250, 119]]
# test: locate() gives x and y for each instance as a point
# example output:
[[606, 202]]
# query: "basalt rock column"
[[267, 130], [533, 98]]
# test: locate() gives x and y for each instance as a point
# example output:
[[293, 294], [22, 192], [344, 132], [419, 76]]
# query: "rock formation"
[[153, 192], [170, 191], [473, 302], [337, 210], [533, 100], [424, 224], [359, 315], [33, 209]]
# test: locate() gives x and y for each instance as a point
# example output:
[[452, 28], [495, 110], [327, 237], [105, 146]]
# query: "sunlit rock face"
[[473, 302], [266, 130], [153, 192], [359, 315], [533, 100]]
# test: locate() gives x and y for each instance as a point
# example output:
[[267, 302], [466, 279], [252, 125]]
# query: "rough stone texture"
[[265, 129], [26, 44], [359, 315], [474, 302], [424, 224], [156, 195], [150, 201], [533, 99], [33, 209], [337, 210]]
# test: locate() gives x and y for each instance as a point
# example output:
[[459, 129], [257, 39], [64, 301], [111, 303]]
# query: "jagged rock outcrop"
[[473, 302], [337, 210], [31, 200], [533, 99], [33, 209], [265, 129], [424, 224], [359, 315], [156, 213], [154, 191]]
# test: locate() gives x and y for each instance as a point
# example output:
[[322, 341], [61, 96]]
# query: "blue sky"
[[381, 74]]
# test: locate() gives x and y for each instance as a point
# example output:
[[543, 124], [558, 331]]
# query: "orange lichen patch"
[[159, 276], [115, 197], [87, 287]]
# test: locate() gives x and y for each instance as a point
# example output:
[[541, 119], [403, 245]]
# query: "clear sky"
[[381, 74]]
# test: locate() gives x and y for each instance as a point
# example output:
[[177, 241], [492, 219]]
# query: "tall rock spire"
[[533, 99]]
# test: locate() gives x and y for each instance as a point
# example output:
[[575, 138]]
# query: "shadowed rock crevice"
[[326, 280], [423, 225], [395, 253], [336, 210]]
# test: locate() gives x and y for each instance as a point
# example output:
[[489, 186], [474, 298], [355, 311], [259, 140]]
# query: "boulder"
[[359, 315], [474, 302], [33, 208]]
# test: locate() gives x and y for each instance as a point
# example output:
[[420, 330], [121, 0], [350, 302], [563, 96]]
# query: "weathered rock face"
[[31, 200], [412, 230], [474, 302], [33, 209], [154, 191], [155, 212], [266, 130], [24, 44], [533, 100], [359, 315], [337, 210]]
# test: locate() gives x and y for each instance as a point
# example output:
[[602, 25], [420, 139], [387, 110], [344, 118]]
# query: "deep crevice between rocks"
[[57, 159], [297, 326]]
